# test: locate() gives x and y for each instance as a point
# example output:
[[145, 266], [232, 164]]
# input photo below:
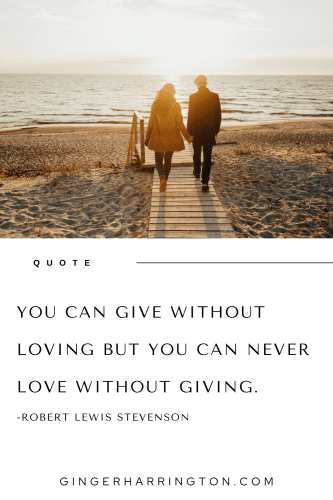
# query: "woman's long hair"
[[164, 98]]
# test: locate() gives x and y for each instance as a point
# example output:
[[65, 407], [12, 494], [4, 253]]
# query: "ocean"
[[32, 100]]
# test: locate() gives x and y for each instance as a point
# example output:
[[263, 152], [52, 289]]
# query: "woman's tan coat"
[[164, 132]]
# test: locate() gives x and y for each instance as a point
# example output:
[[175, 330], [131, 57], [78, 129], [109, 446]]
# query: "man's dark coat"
[[204, 116]]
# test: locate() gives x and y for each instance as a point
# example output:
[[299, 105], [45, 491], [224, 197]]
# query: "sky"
[[166, 36]]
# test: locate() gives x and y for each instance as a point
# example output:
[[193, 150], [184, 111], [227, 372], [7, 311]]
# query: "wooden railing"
[[133, 144]]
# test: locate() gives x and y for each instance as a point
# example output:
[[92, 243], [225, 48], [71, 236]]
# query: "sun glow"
[[171, 63], [180, 63]]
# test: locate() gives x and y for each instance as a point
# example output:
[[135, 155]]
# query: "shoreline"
[[66, 126], [128, 126]]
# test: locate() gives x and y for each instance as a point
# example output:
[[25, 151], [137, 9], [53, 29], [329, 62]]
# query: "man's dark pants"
[[207, 163]]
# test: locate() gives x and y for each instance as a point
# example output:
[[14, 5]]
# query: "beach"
[[275, 180], [83, 190]]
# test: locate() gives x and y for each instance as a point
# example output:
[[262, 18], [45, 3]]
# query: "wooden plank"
[[142, 141], [187, 211], [135, 121], [187, 207], [189, 220], [183, 161], [179, 191], [189, 227], [185, 189], [183, 212], [138, 115], [157, 197], [177, 186], [182, 178], [180, 175], [186, 185], [183, 186], [151, 164], [131, 144], [168, 195], [175, 156], [191, 234], [185, 203], [179, 169], [179, 198], [174, 181], [175, 159]]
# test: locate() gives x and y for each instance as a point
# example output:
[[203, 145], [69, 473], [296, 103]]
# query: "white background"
[[282, 431]]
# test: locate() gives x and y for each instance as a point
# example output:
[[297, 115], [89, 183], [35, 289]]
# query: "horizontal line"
[[273, 262]]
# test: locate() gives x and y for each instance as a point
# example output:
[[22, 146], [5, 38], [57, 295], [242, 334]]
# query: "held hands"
[[191, 139]]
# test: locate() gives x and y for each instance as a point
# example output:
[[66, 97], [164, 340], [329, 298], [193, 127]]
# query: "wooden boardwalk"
[[184, 210]]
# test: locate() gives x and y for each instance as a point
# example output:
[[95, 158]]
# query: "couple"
[[166, 125]]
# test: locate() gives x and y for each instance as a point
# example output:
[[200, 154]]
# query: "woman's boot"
[[163, 184]]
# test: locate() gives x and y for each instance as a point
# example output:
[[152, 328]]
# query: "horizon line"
[[164, 74]]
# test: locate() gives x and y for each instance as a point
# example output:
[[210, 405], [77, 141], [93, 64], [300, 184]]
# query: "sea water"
[[31, 100]]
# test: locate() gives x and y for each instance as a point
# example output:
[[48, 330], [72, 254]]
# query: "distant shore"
[[71, 181]]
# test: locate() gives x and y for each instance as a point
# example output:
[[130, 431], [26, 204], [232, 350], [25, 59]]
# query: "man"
[[203, 122]]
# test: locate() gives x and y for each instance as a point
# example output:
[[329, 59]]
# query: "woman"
[[164, 131]]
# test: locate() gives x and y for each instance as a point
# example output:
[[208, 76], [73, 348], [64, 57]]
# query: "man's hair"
[[200, 80]]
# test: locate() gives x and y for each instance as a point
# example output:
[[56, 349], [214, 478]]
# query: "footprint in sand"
[[114, 206], [129, 209], [34, 209], [19, 218], [100, 205], [265, 234], [71, 222]]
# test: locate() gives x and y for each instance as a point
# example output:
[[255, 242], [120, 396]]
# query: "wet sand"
[[62, 182]]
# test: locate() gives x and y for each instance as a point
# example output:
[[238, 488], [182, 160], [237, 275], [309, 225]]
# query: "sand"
[[62, 182], [75, 197], [277, 181]]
